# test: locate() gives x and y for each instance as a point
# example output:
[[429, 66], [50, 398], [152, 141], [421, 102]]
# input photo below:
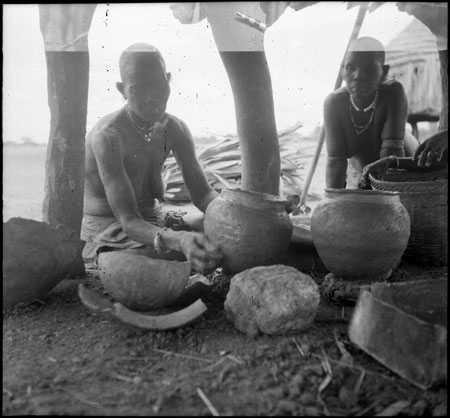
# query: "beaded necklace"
[[366, 109], [359, 129], [145, 133]]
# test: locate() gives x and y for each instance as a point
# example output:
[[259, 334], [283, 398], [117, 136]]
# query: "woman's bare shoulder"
[[392, 86], [336, 97], [177, 127]]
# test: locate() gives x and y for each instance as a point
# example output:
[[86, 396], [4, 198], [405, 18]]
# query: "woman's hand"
[[432, 149], [377, 169], [203, 255]]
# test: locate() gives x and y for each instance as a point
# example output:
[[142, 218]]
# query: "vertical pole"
[[355, 32], [67, 78], [443, 120], [251, 85], [241, 48], [65, 28]]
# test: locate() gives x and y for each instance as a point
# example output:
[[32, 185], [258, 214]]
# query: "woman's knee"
[[410, 144]]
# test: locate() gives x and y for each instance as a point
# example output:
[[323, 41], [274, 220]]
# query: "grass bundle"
[[220, 159]]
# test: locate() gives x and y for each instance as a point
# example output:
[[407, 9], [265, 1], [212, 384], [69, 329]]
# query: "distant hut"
[[414, 61]]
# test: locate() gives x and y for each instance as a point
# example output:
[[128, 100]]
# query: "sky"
[[304, 50]]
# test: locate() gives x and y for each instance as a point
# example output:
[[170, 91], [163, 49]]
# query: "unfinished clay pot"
[[251, 228], [360, 234], [36, 257], [142, 283]]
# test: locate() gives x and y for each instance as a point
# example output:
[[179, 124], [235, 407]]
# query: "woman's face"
[[146, 87], [362, 73], [148, 95]]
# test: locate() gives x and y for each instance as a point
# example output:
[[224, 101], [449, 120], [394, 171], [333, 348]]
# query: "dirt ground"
[[60, 359]]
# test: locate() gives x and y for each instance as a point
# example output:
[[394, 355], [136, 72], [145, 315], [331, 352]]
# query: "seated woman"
[[432, 154], [366, 119]]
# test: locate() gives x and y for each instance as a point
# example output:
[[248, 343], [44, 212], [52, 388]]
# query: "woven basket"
[[425, 197]]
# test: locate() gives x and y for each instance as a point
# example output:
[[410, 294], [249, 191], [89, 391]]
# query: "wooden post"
[[241, 48], [251, 85], [67, 98], [443, 120], [65, 28]]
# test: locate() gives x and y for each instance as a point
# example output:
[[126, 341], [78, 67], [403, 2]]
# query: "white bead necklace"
[[366, 109], [359, 129], [145, 133]]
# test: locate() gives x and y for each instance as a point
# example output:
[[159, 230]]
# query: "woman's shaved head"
[[367, 44], [363, 69], [145, 82], [138, 57]]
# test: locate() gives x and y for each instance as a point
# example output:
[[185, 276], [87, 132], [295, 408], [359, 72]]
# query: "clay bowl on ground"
[[142, 283]]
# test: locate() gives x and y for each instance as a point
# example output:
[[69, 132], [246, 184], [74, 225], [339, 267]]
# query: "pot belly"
[[248, 236]]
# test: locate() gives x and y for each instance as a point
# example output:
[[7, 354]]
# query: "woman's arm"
[[184, 151], [197, 249], [393, 133]]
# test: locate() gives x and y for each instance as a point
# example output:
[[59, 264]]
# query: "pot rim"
[[267, 197], [362, 192], [375, 197]]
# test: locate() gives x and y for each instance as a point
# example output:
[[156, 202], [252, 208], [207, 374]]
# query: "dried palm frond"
[[221, 163]]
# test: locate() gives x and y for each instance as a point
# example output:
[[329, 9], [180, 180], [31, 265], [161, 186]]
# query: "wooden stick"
[[360, 368], [235, 359], [355, 32], [212, 366], [359, 382], [298, 347], [207, 402], [183, 355], [368, 408]]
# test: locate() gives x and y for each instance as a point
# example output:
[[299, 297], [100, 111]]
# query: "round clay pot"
[[142, 283], [251, 228], [360, 234]]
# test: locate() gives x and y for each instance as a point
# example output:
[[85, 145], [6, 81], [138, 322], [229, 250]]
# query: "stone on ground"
[[272, 300]]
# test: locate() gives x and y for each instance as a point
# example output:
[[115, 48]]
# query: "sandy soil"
[[59, 358]]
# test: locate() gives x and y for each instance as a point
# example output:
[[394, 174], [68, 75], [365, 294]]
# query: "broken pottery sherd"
[[272, 300], [142, 283], [100, 305], [95, 301], [404, 326], [166, 322], [36, 257]]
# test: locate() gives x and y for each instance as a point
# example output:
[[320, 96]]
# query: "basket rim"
[[441, 182]]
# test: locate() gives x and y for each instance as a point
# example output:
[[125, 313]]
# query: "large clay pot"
[[251, 228], [360, 234]]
